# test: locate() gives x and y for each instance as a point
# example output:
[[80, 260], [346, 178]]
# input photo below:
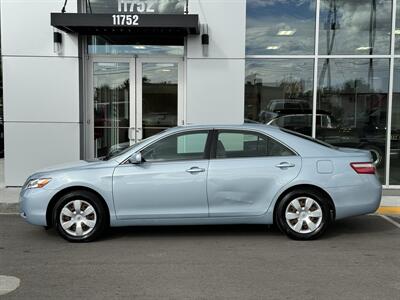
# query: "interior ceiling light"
[[362, 48], [272, 47], [286, 32], [397, 31], [166, 70], [139, 47]]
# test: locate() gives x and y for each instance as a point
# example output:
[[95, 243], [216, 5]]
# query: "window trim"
[[206, 152], [213, 152]]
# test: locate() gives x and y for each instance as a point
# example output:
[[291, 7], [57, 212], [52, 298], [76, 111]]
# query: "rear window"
[[306, 137]]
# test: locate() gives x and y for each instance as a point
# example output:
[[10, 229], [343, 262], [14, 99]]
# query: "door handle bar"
[[284, 165], [195, 170]]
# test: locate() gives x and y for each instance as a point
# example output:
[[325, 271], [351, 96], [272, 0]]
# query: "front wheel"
[[79, 216], [303, 215]]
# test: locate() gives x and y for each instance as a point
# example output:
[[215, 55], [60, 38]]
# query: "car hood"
[[81, 164]]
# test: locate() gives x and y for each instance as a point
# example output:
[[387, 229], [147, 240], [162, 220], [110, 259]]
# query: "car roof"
[[244, 126]]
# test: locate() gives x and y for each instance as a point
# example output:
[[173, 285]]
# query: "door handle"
[[195, 170], [285, 165]]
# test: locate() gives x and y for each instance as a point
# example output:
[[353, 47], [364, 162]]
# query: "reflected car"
[[233, 174], [371, 138]]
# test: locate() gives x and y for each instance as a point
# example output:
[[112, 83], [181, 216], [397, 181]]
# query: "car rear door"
[[246, 171], [170, 183]]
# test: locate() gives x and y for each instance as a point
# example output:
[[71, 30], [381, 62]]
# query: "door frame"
[[135, 90]]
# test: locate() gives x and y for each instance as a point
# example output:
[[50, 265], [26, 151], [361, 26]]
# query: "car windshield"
[[308, 138]]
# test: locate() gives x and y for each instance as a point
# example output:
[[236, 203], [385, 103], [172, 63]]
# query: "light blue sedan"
[[243, 174]]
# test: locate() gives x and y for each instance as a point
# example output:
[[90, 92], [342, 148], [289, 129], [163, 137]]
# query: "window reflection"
[[394, 177], [160, 97], [353, 93], [355, 27], [100, 45], [136, 6], [280, 27], [277, 90], [111, 107]]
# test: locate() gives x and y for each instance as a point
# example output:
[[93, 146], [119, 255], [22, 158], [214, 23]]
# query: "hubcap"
[[78, 218], [303, 215]]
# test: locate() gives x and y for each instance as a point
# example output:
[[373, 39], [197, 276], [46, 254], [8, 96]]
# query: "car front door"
[[169, 183], [246, 171]]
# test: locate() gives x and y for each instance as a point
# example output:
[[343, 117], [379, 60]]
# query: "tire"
[[306, 208], [80, 216]]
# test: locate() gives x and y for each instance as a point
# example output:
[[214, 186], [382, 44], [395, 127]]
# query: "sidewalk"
[[390, 203]]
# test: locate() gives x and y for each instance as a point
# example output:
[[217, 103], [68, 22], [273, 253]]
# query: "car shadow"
[[357, 225]]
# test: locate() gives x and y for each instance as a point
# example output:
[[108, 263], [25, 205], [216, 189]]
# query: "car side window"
[[183, 146], [248, 144]]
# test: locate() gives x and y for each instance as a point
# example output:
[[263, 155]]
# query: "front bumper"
[[33, 205]]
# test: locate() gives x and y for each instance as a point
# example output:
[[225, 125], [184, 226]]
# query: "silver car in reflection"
[[233, 174]]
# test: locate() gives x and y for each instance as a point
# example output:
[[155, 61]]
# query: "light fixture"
[[363, 48], [205, 39], [273, 47], [57, 42], [166, 70], [286, 32], [139, 47], [397, 31]]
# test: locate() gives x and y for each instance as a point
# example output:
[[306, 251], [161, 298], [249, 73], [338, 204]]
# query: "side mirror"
[[136, 159]]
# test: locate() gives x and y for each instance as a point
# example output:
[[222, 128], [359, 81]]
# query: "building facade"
[[108, 73]]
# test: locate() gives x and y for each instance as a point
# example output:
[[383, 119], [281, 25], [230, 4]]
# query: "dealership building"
[[83, 79]]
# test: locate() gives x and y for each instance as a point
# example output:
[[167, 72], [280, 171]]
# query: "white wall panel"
[[215, 91], [43, 89], [26, 29], [32, 146], [226, 21]]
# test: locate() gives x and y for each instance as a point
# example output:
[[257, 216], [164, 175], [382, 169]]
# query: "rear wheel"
[[303, 215], [79, 216]]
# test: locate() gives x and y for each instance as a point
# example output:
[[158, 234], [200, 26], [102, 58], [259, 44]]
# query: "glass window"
[[353, 94], [189, 146], [102, 46], [136, 6], [397, 29], [275, 88], [355, 27], [280, 27], [246, 144], [394, 177]]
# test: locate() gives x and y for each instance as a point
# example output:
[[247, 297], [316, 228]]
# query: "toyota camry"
[[236, 174]]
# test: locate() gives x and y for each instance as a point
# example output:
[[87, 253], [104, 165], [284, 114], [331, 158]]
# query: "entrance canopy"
[[150, 29]]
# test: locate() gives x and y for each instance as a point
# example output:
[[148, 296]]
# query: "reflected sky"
[[360, 27], [280, 27], [160, 72], [160, 6], [273, 72], [370, 74]]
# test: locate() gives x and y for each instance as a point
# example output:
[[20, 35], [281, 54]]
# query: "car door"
[[246, 171], [169, 183]]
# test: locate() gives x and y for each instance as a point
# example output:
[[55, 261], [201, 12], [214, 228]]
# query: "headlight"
[[37, 183]]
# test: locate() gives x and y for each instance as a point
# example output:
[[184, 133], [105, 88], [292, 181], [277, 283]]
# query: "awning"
[[151, 29]]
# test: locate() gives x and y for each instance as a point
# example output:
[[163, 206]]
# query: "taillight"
[[363, 167]]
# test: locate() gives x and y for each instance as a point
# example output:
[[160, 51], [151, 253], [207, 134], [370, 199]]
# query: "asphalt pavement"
[[358, 258]]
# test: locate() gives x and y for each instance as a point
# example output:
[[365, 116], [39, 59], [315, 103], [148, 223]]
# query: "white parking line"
[[390, 220], [8, 284]]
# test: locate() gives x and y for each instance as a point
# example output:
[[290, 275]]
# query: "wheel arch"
[[70, 189], [312, 187]]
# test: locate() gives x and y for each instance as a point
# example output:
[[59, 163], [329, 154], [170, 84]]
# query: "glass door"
[[132, 99], [159, 94]]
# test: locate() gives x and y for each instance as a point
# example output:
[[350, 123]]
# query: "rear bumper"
[[357, 199], [33, 205]]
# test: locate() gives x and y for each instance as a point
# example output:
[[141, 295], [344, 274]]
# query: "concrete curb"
[[9, 208]]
